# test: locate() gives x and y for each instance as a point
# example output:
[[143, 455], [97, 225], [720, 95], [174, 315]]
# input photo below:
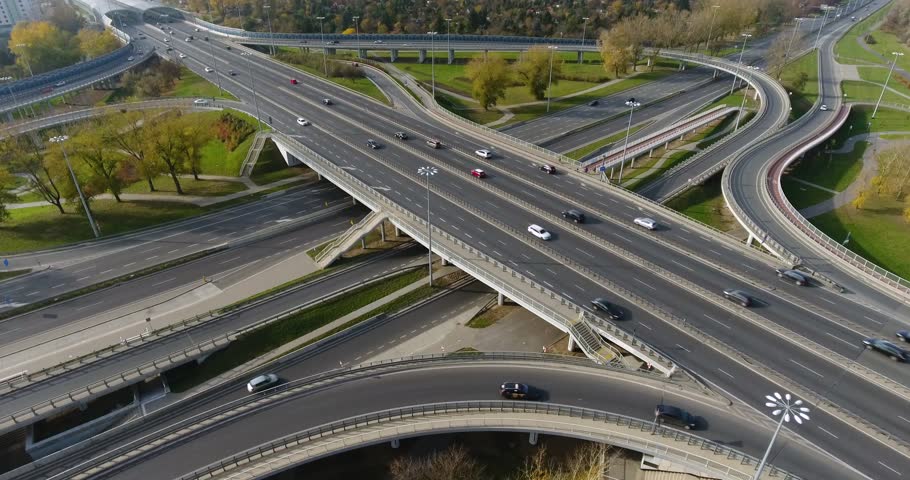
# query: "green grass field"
[[885, 43], [801, 195], [802, 99], [164, 185], [189, 85], [878, 232], [861, 121], [705, 203], [270, 167], [579, 153], [468, 110], [848, 50], [878, 75], [834, 171], [362, 85], [734, 100]]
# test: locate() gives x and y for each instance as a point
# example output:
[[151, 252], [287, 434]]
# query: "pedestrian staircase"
[[347, 239]]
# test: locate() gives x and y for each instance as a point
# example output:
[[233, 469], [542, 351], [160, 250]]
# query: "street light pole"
[[740, 62], [448, 34], [268, 12], [631, 103], [91, 221], [879, 101], [742, 105], [253, 89], [824, 19], [429, 172], [789, 45], [433, 61], [550, 83], [357, 33], [782, 406], [584, 30], [215, 66], [325, 53], [711, 28]]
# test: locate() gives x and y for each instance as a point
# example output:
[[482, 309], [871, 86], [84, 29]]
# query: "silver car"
[[262, 382]]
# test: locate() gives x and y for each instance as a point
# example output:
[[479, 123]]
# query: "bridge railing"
[[682, 440]]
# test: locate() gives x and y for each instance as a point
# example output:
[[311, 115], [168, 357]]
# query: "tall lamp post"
[[785, 406], [429, 172], [357, 33], [818, 37], [253, 88], [552, 48], [268, 12], [584, 30], [325, 53], [448, 34], [631, 103], [879, 101], [215, 66], [91, 221], [433, 66], [711, 28], [789, 45], [740, 63]]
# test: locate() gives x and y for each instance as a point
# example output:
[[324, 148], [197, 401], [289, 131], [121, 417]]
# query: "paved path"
[[860, 39]]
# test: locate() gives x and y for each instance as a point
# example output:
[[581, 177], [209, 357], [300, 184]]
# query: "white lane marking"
[[90, 305], [873, 320], [643, 283], [683, 266], [151, 249], [227, 261], [110, 270], [83, 278], [749, 267], [889, 468], [497, 253], [725, 373], [549, 284], [525, 256], [576, 286], [58, 285], [36, 292], [684, 348], [829, 301], [829, 433], [164, 281], [484, 245], [717, 321], [841, 340], [287, 241], [807, 368], [551, 271], [904, 419], [128, 264], [715, 252], [152, 257], [584, 252], [568, 296], [503, 243], [468, 235], [645, 325]]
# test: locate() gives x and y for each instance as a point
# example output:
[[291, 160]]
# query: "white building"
[[12, 11]]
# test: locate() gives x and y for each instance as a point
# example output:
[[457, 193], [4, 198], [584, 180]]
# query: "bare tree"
[[588, 462], [453, 463], [24, 156]]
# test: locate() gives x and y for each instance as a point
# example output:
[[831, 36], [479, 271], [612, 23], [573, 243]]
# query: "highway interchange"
[[709, 262]]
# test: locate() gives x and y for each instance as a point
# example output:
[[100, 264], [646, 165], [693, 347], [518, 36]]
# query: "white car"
[[378, 42], [209, 70], [129, 59], [167, 41], [200, 101], [824, 108], [539, 232], [262, 382], [646, 222], [196, 29], [302, 121], [182, 55], [484, 153]]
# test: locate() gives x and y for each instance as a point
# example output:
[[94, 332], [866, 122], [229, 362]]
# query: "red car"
[[293, 81], [478, 173]]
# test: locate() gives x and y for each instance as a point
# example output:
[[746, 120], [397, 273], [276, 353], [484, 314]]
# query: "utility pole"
[[879, 101]]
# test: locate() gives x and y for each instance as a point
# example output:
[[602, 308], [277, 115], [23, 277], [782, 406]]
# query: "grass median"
[[5, 275], [586, 150], [274, 335]]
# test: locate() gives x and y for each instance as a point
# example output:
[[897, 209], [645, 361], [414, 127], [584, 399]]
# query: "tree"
[[193, 138], [6, 184], [65, 17], [777, 57], [453, 463], [41, 46], [125, 131], [24, 156], [95, 43], [535, 70], [586, 463], [860, 201], [489, 79], [90, 146], [165, 135], [614, 53]]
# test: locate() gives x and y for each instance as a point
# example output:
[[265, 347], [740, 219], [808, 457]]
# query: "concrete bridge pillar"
[[650, 153], [443, 262], [9, 116], [363, 243], [382, 231], [500, 299], [397, 231], [362, 53], [396, 443], [571, 343], [451, 56], [682, 66], [532, 439], [649, 62], [393, 55], [421, 56], [581, 57], [353, 201], [714, 75]]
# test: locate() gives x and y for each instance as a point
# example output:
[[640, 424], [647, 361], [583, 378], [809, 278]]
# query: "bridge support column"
[[532, 439], [362, 53], [682, 66], [750, 240], [363, 243], [393, 55], [451, 56], [571, 343], [443, 262], [382, 231], [397, 231], [421, 56], [650, 153], [353, 201], [649, 62], [713, 76], [500, 299], [396, 443], [581, 57], [666, 145]]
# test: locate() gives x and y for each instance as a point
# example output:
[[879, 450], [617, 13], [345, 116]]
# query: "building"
[[12, 11]]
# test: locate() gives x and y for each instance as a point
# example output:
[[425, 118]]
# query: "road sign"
[[603, 168], [6, 262]]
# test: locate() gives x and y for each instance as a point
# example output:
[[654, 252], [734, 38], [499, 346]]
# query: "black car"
[[792, 276], [232, 73], [885, 347], [228, 47], [326, 101], [675, 416], [738, 296], [574, 215], [373, 144], [516, 391], [593, 103], [903, 335], [549, 169], [401, 135], [604, 305]]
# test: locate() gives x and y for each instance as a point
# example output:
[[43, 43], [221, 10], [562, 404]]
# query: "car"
[[262, 382], [373, 144], [539, 232], [303, 42], [326, 101], [483, 153], [228, 47], [206, 38], [792, 275], [129, 59], [434, 143], [516, 391], [604, 305], [574, 215], [646, 222], [168, 49], [209, 69], [200, 101], [670, 415], [738, 296], [478, 173], [401, 135], [355, 64], [377, 42], [166, 40], [294, 81], [903, 335], [887, 348], [182, 55], [195, 29], [302, 121], [60, 83], [593, 103], [550, 169], [47, 89], [824, 108], [232, 73], [190, 38]]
